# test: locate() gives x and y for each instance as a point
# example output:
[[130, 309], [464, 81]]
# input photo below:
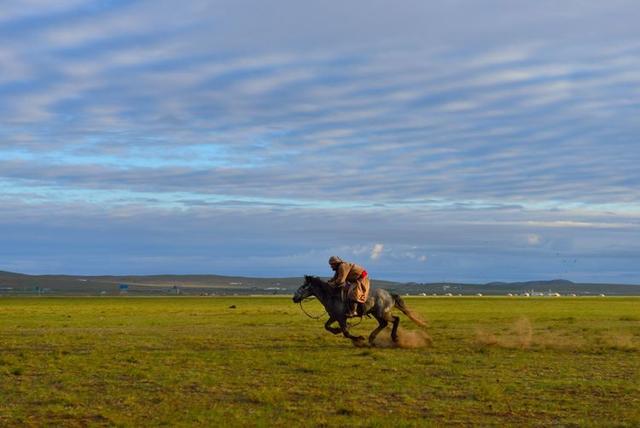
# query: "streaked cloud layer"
[[451, 140]]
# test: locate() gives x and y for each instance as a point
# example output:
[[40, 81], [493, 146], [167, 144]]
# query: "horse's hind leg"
[[394, 329], [382, 324]]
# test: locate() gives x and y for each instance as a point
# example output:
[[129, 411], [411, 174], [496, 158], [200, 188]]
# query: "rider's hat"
[[334, 260]]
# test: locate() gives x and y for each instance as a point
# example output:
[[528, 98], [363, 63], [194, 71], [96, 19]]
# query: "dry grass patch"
[[621, 341]]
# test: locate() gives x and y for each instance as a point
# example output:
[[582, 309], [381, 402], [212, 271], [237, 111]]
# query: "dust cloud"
[[407, 339], [520, 335]]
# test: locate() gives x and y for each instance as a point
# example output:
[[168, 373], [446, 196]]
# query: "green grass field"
[[196, 361]]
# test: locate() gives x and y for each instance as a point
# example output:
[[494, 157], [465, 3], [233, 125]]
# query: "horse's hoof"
[[359, 342]]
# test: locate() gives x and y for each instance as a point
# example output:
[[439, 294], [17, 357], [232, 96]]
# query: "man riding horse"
[[354, 278]]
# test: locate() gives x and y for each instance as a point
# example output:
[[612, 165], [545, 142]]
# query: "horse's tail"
[[400, 304]]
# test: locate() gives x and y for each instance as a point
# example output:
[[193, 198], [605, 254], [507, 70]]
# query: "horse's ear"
[[307, 277]]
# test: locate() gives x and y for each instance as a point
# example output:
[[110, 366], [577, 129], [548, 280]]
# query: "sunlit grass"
[[197, 361]]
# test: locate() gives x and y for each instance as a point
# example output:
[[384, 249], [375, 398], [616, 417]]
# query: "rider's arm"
[[340, 276]]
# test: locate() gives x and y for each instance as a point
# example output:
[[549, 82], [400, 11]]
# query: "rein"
[[314, 317]]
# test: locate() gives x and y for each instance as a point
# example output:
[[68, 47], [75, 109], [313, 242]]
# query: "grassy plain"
[[197, 361]]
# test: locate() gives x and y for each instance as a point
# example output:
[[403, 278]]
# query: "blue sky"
[[429, 141]]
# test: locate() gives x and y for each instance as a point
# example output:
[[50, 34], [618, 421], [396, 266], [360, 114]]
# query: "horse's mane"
[[324, 286]]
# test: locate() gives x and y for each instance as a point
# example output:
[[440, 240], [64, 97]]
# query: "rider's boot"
[[353, 309]]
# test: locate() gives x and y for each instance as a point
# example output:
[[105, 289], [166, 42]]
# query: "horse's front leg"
[[345, 331], [334, 330]]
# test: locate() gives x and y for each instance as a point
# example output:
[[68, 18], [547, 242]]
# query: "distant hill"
[[16, 283], [561, 286], [13, 283], [9, 274], [531, 284]]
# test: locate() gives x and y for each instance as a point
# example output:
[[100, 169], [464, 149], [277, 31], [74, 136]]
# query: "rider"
[[354, 277]]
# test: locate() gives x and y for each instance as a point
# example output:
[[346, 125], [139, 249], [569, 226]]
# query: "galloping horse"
[[379, 304]]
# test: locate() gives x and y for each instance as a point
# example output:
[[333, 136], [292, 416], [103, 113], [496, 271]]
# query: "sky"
[[450, 140]]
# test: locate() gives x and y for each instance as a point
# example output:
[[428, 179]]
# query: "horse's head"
[[305, 290]]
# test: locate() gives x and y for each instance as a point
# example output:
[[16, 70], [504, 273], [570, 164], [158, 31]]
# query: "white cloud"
[[534, 239], [406, 114], [21, 9], [376, 251]]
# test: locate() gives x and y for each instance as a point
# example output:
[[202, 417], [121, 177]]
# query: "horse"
[[379, 304]]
